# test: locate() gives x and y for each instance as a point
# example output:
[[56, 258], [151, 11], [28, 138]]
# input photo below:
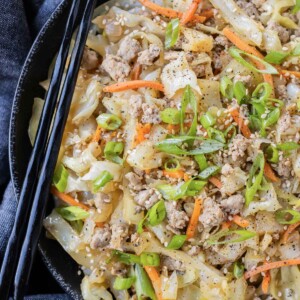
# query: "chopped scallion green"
[[276, 57], [172, 33], [226, 87], [112, 151], [287, 216], [109, 121], [150, 259], [176, 242], [102, 180], [123, 283], [243, 236], [170, 116], [72, 213], [60, 178]]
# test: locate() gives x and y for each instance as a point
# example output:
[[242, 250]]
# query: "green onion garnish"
[[150, 259], [170, 116], [208, 172], [240, 92], [112, 152], [255, 177], [172, 165], [217, 135], [102, 180], [207, 120], [272, 154], [143, 286], [201, 161], [123, 283], [238, 270], [287, 216], [226, 87], [276, 57], [262, 92], [77, 225], [296, 8], [177, 242], [288, 146], [72, 213], [60, 178], [270, 120], [237, 55], [109, 121], [172, 33], [126, 258], [243, 236]]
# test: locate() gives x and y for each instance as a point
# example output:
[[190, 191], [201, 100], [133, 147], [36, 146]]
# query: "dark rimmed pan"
[[35, 70]]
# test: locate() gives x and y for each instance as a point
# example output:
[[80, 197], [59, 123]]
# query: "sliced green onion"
[[123, 283], [176, 192], [172, 165], [60, 178], [208, 172], [240, 92], [272, 154], [77, 225], [255, 177], [288, 146], [177, 242], [237, 55], [102, 180], [259, 109], [296, 50], [215, 134], [208, 146], [270, 120], [157, 213], [262, 92], [272, 101], [296, 8], [109, 121], [255, 123], [126, 258], [112, 151], [243, 236], [143, 284], [276, 57], [72, 213], [150, 259], [238, 270], [172, 33], [201, 161], [226, 87], [287, 216], [230, 133], [170, 116], [207, 120]]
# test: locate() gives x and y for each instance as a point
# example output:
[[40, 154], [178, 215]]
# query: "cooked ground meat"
[[249, 8], [117, 68], [119, 232], [283, 33], [135, 102], [284, 167], [177, 218], [238, 146], [150, 114], [212, 214], [129, 49], [135, 182], [90, 59], [147, 198], [221, 40], [284, 122], [233, 205], [101, 237], [148, 56], [172, 264]]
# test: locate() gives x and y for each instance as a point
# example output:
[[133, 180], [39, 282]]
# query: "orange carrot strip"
[[241, 122], [287, 73], [269, 173], [287, 233], [242, 45], [168, 12], [208, 13], [136, 72], [141, 131], [240, 221], [226, 225], [214, 180], [67, 198], [155, 279], [266, 281], [174, 174], [270, 266], [190, 232], [188, 15], [132, 85], [97, 134], [172, 128]]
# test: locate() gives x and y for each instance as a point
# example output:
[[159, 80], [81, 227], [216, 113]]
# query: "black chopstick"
[[25, 202], [46, 173]]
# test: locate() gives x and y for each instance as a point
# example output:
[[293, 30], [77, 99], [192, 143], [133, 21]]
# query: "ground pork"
[[233, 205], [90, 59], [221, 59], [238, 146], [284, 122], [117, 68], [135, 102], [212, 214], [284, 167], [249, 8], [146, 198], [177, 218], [283, 33], [221, 40], [101, 237], [150, 114], [129, 49], [172, 264], [119, 233], [148, 56], [281, 92], [135, 181]]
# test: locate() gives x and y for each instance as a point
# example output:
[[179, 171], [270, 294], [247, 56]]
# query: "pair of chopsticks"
[[30, 213]]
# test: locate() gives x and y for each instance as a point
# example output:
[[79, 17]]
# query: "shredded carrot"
[[288, 73], [155, 279], [287, 233], [168, 12], [240, 221], [141, 131], [189, 14], [172, 128], [266, 281], [132, 85], [208, 13], [190, 232], [214, 180], [136, 71], [270, 266], [67, 198], [97, 134], [269, 173], [242, 45], [174, 174], [100, 224], [226, 225], [241, 122]]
